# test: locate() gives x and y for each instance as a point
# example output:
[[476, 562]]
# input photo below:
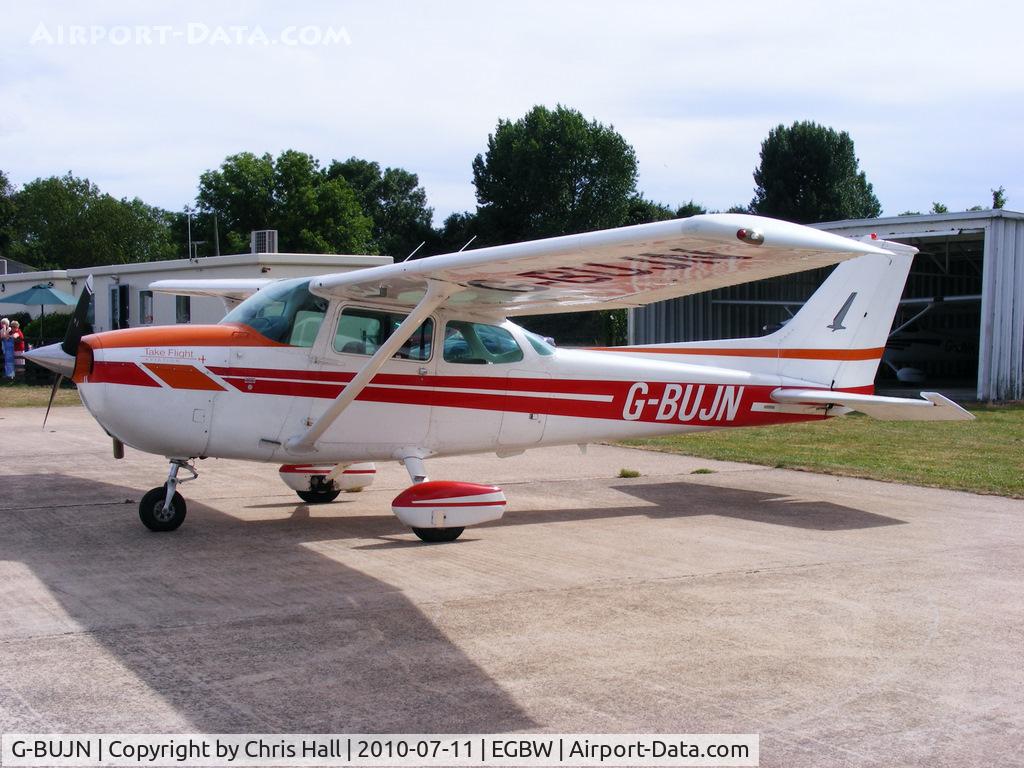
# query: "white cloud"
[[935, 109]]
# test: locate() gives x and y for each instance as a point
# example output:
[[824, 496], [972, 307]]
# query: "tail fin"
[[837, 338]]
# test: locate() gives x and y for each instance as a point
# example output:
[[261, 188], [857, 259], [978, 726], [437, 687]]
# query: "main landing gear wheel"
[[438, 535], [153, 514], [318, 497]]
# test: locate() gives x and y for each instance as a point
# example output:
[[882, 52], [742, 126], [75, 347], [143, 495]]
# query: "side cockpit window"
[[362, 331], [479, 344], [285, 312]]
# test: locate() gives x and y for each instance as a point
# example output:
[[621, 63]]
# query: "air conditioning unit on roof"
[[263, 241]]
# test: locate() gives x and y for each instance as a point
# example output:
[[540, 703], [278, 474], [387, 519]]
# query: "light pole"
[[188, 216]]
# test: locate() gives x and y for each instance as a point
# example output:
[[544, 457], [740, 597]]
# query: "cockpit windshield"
[[285, 312]]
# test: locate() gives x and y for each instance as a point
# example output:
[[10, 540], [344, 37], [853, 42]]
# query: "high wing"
[[232, 290], [625, 267]]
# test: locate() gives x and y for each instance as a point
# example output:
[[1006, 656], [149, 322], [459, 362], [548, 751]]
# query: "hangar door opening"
[[935, 335]]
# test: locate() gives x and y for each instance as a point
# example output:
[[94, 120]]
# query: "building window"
[[119, 306], [146, 307], [183, 309]]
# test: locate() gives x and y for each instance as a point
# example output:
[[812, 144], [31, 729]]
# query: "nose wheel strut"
[[163, 508]]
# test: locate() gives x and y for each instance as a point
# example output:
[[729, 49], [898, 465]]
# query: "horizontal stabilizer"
[[933, 406]]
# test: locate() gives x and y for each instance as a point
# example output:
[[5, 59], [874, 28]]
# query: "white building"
[[123, 298]]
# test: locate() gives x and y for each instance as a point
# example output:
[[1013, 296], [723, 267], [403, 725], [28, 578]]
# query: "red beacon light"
[[750, 236], [874, 235]]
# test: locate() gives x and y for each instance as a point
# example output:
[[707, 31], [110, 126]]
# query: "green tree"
[[458, 231], [810, 173], [939, 208], [66, 222], [241, 193], [641, 211], [999, 198], [394, 200], [552, 172], [202, 232], [311, 211], [688, 209], [6, 213]]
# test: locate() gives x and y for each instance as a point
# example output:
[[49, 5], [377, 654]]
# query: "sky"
[[141, 98]]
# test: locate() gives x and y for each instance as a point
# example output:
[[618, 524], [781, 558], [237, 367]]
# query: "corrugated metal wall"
[[704, 316], [1001, 363]]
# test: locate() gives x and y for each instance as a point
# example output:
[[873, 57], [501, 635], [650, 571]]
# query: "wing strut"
[[436, 294]]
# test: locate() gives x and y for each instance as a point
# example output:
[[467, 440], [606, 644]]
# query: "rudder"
[[838, 336]]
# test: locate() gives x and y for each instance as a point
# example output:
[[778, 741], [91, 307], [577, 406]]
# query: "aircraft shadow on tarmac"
[[237, 625], [242, 627], [682, 499], [673, 500]]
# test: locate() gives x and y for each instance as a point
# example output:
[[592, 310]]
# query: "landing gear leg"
[[163, 508], [416, 468]]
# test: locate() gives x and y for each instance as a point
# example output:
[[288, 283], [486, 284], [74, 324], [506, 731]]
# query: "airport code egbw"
[[268, 749]]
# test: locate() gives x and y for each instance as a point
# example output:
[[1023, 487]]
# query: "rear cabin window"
[[363, 331], [539, 344], [285, 312], [479, 344]]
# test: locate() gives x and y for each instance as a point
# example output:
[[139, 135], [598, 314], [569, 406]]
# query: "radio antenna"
[[467, 244], [414, 251]]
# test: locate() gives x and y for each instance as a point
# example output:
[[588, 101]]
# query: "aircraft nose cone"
[[53, 358]]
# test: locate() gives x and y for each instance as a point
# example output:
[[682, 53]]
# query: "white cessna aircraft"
[[418, 359]]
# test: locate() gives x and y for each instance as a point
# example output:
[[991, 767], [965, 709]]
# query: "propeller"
[[77, 328], [79, 325], [53, 393]]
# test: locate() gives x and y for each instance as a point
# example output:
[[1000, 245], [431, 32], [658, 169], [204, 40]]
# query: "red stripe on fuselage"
[[516, 402], [502, 393], [107, 372], [498, 383]]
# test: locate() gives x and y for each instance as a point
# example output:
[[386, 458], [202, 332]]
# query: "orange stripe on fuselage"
[[223, 335], [184, 377], [788, 354]]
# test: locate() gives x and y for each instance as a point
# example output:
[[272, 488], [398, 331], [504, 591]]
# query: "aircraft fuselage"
[[226, 391]]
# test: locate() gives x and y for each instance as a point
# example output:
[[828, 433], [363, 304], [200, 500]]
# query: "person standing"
[[18, 339], [7, 344]]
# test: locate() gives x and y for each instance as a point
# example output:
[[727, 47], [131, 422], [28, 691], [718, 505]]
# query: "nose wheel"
[[163, 508], [156, 516]]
